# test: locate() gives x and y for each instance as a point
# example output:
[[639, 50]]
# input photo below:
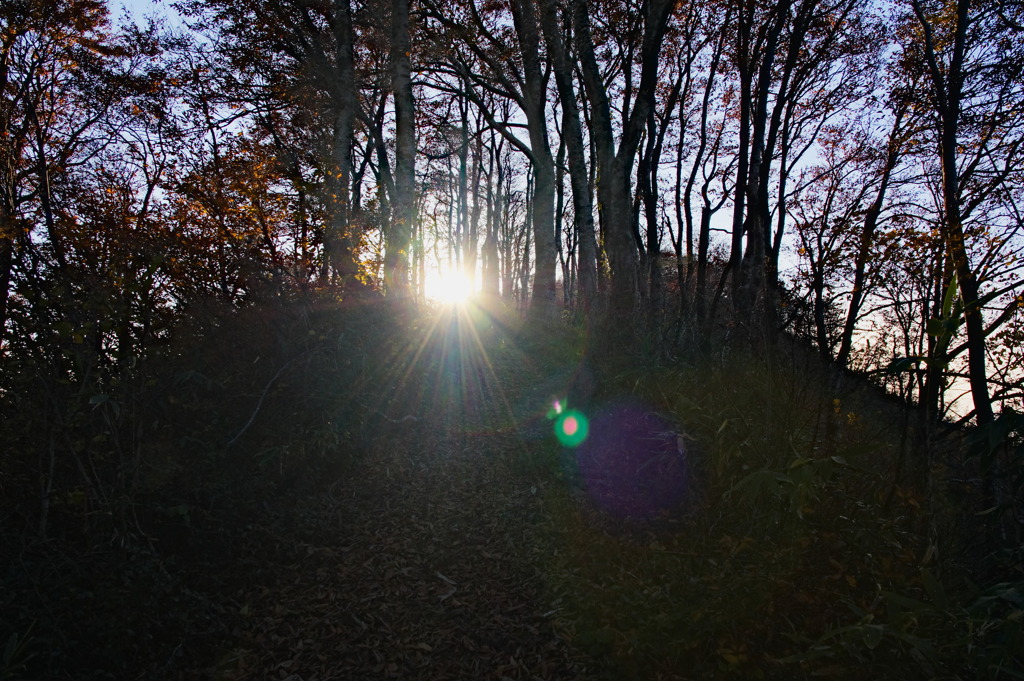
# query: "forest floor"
[[424, 560], [400, 508]]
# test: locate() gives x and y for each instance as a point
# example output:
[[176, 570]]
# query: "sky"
[[142, 8]]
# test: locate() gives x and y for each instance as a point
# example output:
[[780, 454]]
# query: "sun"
[[448, 286]]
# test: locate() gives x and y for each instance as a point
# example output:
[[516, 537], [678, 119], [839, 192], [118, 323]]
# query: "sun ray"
[[445, 365]]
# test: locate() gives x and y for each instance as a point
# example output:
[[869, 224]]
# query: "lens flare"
[[556, 408], [634, 463], [571, 428]]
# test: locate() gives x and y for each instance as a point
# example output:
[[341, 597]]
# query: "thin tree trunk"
[[755, 226], [6, 266], [867, 237], [471, 242]]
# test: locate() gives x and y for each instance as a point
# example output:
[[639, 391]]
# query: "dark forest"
[[515, 339]]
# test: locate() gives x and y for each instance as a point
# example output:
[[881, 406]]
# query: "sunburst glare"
[[446, 366], [448, 286]]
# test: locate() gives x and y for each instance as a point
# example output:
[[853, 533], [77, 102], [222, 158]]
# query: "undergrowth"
[[804, 552], [811, 540], [132, 568]]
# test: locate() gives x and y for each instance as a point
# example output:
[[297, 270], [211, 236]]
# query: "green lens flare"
[[571, 428], [556, 408]]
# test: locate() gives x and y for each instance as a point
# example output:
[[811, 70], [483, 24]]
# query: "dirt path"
[[426, 563]]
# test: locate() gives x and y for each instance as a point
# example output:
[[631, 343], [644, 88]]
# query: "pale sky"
[[142, 8]]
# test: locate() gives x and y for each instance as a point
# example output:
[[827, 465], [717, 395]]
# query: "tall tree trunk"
[[472, 240], [495, 179], [647, 187], [462, 224], [746, 77], [947, 85], [396, 266], [818, 285], [542, 214], [339, 242], [579, 176], [614, 165], [756, 222], [6, 266], [8, 231]]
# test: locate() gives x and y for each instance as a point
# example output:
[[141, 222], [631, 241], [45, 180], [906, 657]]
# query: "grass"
[[788, 562]]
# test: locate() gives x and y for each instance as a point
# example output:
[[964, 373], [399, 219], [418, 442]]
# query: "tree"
[[614, 162], [706, 29], [579, 175], [404, 203], [85, 140], [895, 146], [799, 64], [50, 53], [973, 72], [483, 61], [310, 50]]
